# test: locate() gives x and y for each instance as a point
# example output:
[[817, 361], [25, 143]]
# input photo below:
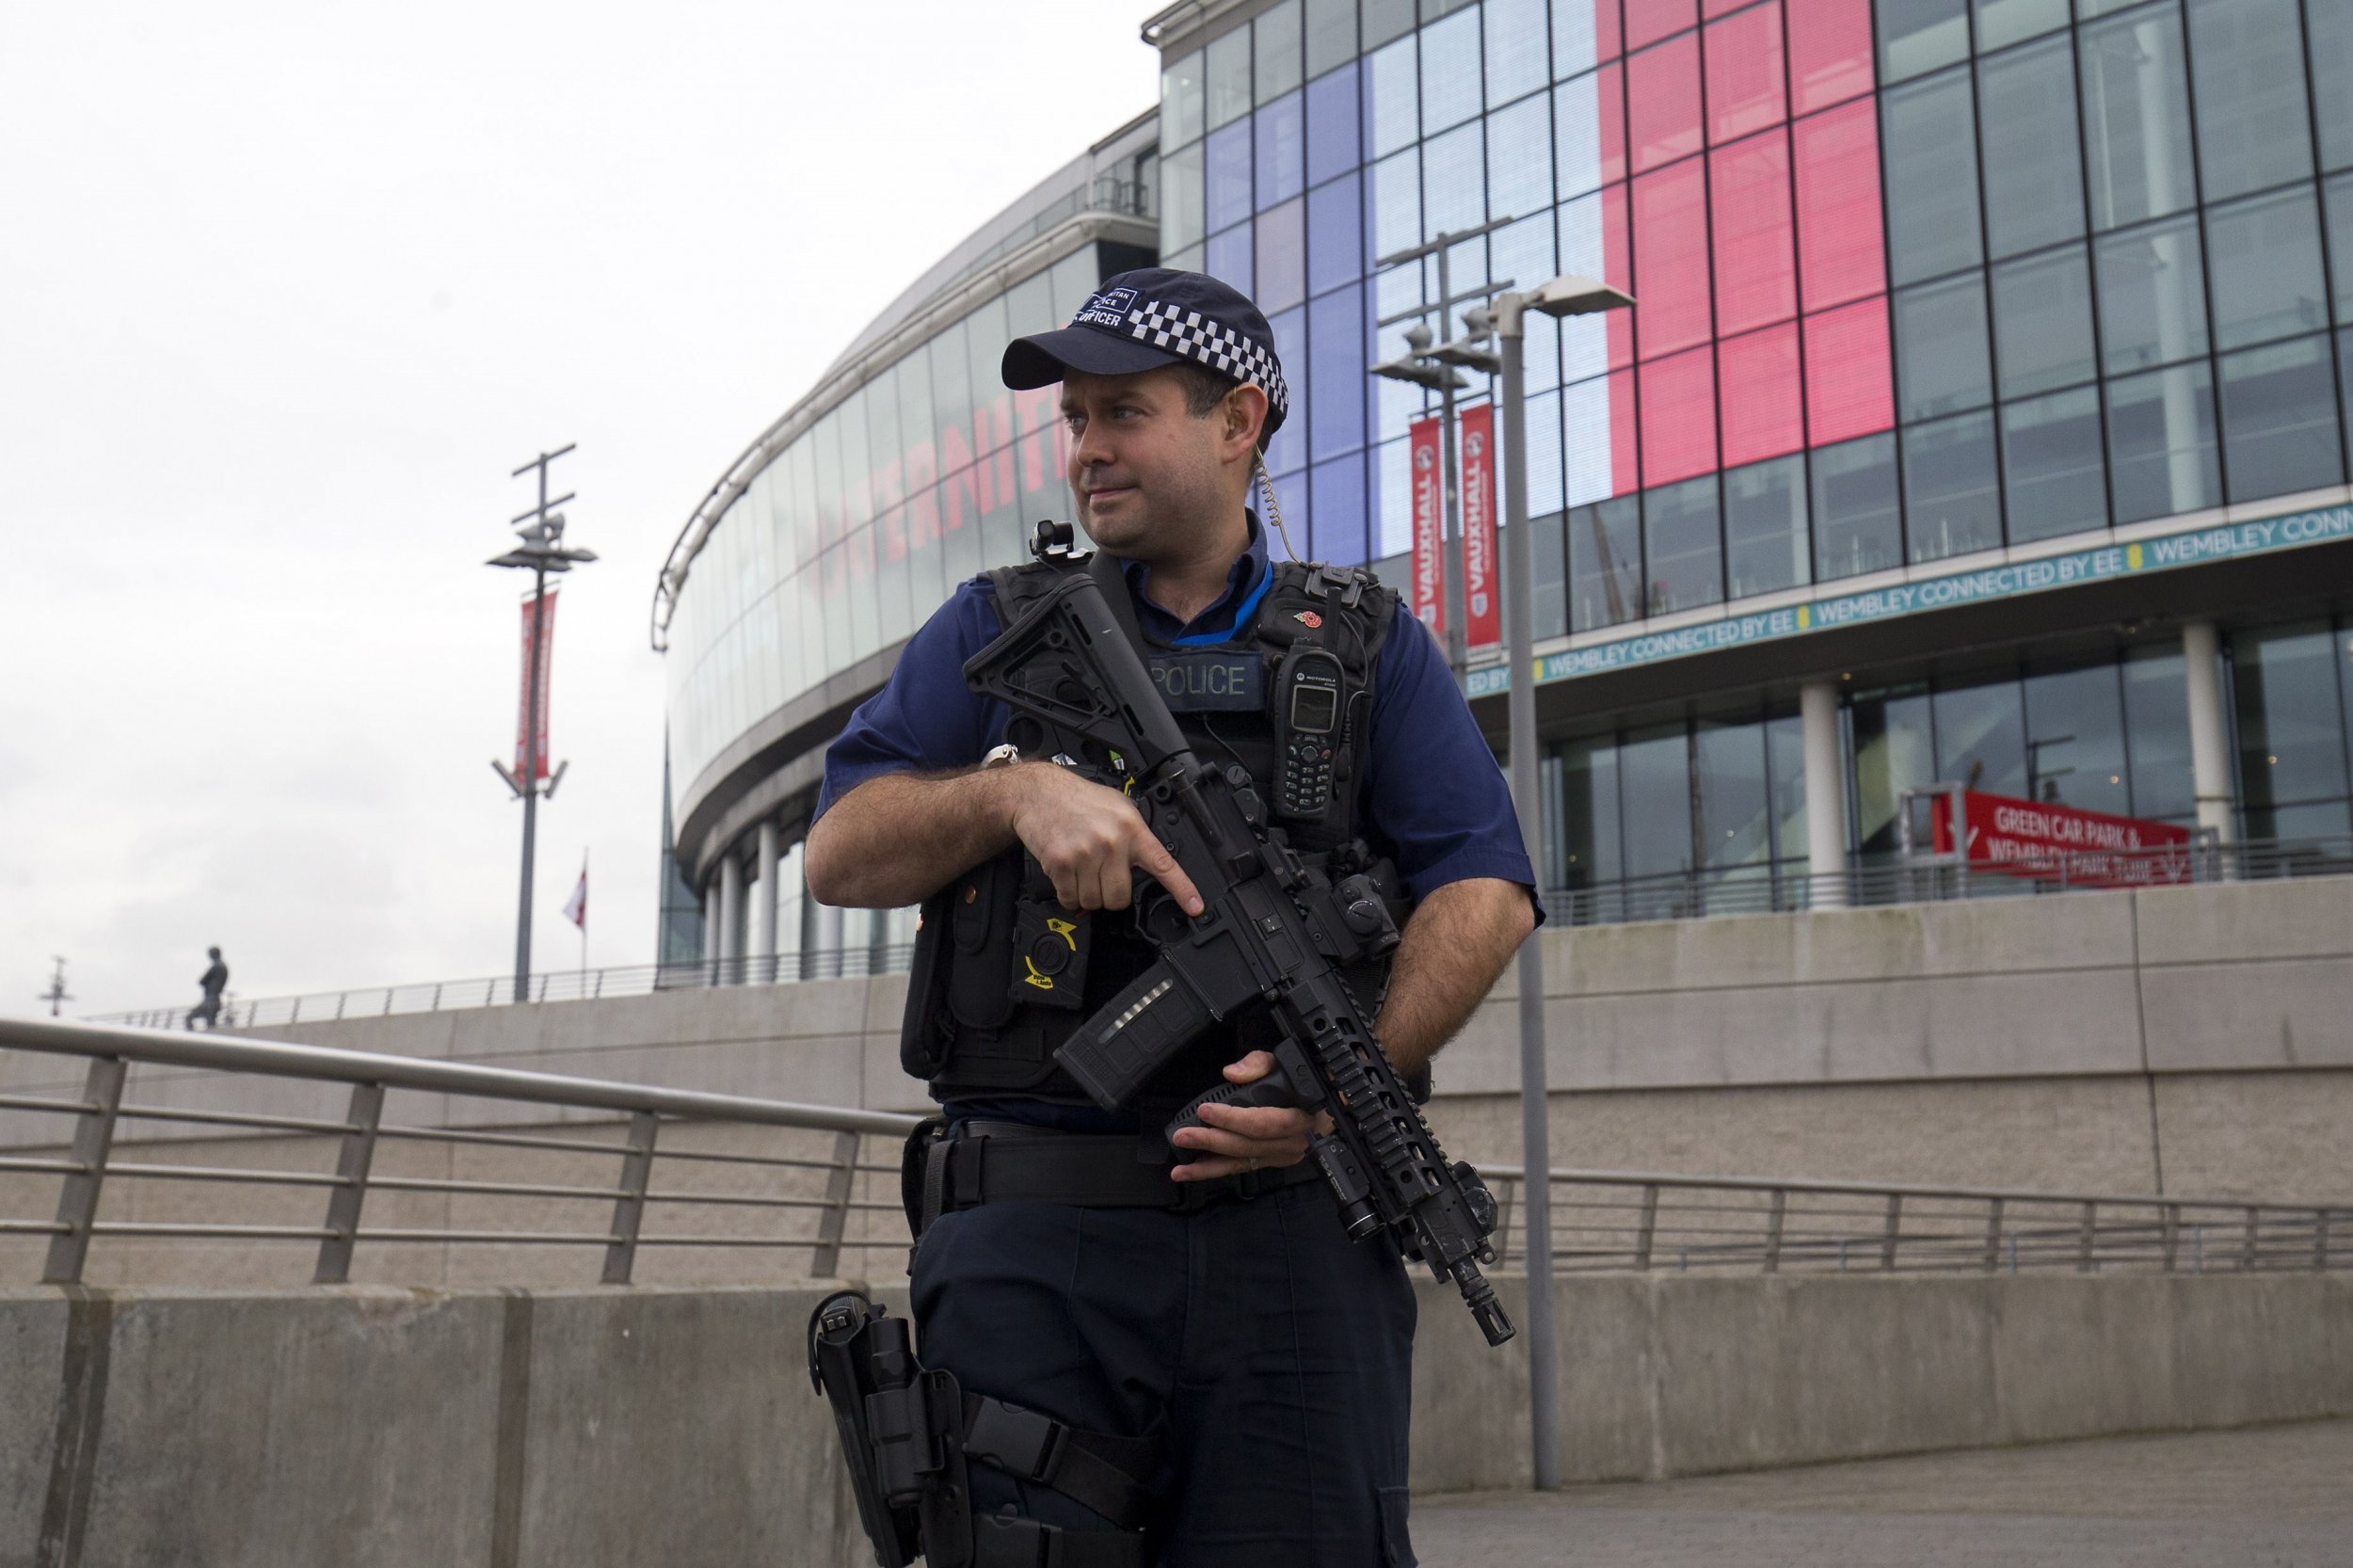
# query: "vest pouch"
[[924, 1031], [981, 928]]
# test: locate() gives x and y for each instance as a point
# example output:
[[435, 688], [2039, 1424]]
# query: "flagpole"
[[583, 911]]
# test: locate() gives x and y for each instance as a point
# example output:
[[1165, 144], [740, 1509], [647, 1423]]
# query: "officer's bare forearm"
[[1449, 955], [895, 839]]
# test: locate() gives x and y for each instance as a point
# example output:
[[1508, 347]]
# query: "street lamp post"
[[1561, 297], [541, 552]]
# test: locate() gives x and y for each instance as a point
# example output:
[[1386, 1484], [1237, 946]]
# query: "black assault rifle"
[[1270, 932]]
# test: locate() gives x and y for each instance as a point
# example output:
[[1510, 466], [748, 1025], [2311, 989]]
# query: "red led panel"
[[1662, 95], [1718, 8], [1609, 35], [1648, 21], [1830, 52], [1624, 471], [1763, 405], [1756, 273], [1670, 259], [1618, 272], [1846, 382], [1609, 102], [1841, 250], [1744, 89], [1678, 417]]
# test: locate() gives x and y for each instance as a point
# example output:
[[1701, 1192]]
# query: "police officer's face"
[[1149, 476]]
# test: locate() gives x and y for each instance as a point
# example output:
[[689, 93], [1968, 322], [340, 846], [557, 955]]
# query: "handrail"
[[1882, 1188]]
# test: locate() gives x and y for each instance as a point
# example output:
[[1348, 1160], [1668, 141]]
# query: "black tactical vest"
[[1002, 973]]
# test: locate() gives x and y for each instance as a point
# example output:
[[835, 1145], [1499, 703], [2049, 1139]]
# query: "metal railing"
[[1645, 1221], [89, 1126]]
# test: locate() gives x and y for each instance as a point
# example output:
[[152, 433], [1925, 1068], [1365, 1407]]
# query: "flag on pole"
[[576, 907]]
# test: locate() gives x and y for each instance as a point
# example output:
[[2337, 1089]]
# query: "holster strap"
[[1103, 1473], [1001, 1541]]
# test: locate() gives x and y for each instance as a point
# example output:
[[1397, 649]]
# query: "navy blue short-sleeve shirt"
[[1432, 797]]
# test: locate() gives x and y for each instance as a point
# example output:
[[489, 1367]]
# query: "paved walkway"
[[2265, 1497]]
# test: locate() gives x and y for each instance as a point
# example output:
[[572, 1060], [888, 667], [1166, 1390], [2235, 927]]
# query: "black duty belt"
[[1011, 1162]]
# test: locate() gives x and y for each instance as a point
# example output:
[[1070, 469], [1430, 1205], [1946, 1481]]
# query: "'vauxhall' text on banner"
[[523, 706], [1482, 616], [1428, 526]]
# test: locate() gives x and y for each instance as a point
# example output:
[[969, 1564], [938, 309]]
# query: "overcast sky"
[[286, 291]]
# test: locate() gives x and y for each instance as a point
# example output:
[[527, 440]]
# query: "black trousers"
[[1272, 1355]]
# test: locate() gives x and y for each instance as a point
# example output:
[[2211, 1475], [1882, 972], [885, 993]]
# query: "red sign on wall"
[[2024, 838], [1482, 614], [1428, 526], [522, 701]]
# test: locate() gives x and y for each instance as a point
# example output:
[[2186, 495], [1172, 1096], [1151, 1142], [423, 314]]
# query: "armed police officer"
[[1168, 1355]]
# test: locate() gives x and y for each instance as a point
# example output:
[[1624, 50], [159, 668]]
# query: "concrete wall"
[[366, 1426]]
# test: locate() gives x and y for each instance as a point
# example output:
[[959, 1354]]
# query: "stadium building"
[[1983, 419]]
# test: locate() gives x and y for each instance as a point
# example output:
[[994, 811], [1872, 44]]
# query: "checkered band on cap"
[[1181, 331]]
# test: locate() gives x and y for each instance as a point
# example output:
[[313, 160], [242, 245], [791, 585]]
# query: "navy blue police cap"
[[1151, 317]]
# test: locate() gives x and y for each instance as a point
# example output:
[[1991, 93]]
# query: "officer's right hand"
[[1089, 838]]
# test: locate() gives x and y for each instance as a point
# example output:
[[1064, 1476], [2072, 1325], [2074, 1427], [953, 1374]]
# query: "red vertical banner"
[[545, 629], [1482, 614], [1428, 526]]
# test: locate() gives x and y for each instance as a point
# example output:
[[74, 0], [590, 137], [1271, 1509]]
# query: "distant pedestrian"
[[214, 979]]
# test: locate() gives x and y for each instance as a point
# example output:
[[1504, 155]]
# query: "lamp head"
[[1574, 297]]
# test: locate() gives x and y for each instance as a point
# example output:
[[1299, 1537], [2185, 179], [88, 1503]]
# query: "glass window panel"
[[1759, 390], [1848, 388], [2034, 188], [2280, 428], [1586, 791], [2161, 443], [2042, 322], [1450, 88], [2136, 107], [1840, 251], [1757, 278], [2252, 127], [1181, 103], [1287, 449], [1519, 161], [1516, 61], [1453, 183], [1830, 52], [1336, 511], [1331, 125], [1932, 172], [1076, 277], [1548, 548], [1894, 751], [1597, 436], [2265, 253], [1334, 240], [1981, 738], [1276, 46], [1392, 479], [1397, 203], [2001, 23], [1857, 519], [1917, 36], [1648, 21], [2076, 740], [1593, 231], [1952, 488], [1744, 72], [2156, 732], [1678, 416], [2152, 296], [1654, 792], [1384, 19], [2328, 30], [1543, 454], [1392, 98], [1681, 546], [1228, 77], [1729, 796], [1583, 33], [1282, 263], [1662, 91], [1336, 349], [1281, 151], [1671, 258], [1785, 751], [1765, 531], [1331, 30], [2290, 716], [2056, 482], [1228, 176], [1941, 338], [1181, 201], [1605, 563], [1588, 131]]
